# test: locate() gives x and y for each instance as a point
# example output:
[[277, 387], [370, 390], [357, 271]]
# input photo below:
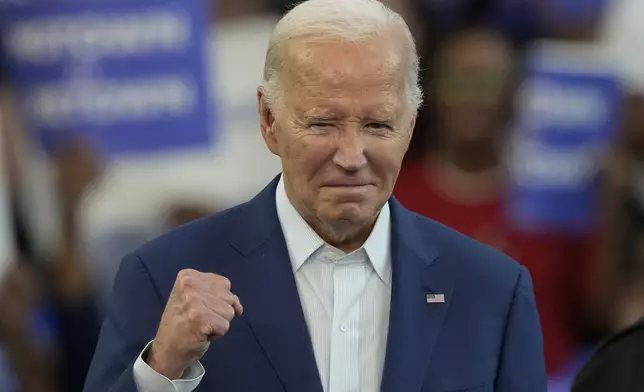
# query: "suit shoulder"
[[486, 280], [468, 257]]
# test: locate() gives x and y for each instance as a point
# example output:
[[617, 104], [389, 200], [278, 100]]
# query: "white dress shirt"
[[345, 298]]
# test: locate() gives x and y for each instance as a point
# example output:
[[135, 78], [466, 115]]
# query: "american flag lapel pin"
[[435, 298]]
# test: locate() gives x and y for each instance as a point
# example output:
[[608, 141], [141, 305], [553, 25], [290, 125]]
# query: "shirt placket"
[[345, 337]]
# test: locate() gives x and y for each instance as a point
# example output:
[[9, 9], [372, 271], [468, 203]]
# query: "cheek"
[[306, 155], [386, 157]]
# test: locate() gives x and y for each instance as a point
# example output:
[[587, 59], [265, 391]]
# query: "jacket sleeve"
[[133, 315], [521, 362]]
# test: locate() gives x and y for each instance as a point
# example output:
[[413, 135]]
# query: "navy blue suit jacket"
[[485, 337]]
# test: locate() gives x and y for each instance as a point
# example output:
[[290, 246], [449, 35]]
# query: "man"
[[336, 286], [616, 364]]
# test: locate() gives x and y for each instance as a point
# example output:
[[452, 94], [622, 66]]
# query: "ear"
[[267, 122]]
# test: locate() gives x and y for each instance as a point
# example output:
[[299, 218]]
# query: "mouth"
[[345, 185]]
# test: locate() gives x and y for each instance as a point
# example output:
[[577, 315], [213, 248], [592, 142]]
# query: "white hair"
[[351, 20]]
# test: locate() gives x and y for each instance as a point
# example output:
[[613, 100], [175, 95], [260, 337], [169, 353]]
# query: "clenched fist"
[[198, 311]]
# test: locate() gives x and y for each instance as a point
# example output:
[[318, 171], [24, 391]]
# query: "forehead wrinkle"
[[330, 75], [385, 111], [382, 89], [336, 62]]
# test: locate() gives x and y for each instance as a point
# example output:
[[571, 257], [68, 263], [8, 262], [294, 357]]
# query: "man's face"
[[341, 129], [474, 89]]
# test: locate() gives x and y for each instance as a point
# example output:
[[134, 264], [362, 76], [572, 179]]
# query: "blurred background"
[[122, 119]]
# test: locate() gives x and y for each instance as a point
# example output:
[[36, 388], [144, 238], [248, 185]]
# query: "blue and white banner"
[[130, 75], [568, 113]]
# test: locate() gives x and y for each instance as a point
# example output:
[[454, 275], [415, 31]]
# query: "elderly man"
[[337, 287]]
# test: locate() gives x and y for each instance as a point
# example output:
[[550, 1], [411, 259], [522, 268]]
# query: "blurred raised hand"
[[78, 166]]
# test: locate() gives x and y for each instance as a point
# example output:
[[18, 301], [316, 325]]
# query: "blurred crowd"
[[588, 283]]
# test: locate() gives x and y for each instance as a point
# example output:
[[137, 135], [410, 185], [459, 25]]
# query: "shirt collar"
[[302, 241]]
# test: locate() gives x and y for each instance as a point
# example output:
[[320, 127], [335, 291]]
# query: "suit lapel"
[[265, 284], [414, 324]]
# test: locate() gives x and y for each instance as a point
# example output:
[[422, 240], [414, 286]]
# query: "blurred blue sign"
[[571, 11], [128, 75], [567, 116]]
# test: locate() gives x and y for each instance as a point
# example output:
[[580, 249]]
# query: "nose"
[[350, 150]]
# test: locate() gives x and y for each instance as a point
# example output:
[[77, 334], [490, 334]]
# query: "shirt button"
[[343, 327]]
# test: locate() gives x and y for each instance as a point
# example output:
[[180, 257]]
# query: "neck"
[[343, 235]]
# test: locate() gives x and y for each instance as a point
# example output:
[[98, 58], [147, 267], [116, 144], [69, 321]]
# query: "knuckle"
[[228, 297], [194, 315], [190, 298], [186, 273], [184, 280], [227, 312], [224, 282], [205, 330], [222, 327]]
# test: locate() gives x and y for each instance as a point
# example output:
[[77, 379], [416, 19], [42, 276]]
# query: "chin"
[[354, 212]]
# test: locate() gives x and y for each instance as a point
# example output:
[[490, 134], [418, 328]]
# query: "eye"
[[321, 125], [378, 126]]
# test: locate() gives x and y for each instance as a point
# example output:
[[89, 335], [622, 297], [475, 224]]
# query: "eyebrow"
[[382, 114], [319, 117], [318, 114]]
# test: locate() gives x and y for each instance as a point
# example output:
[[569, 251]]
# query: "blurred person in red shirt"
[[458, 178], [462, 165]]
